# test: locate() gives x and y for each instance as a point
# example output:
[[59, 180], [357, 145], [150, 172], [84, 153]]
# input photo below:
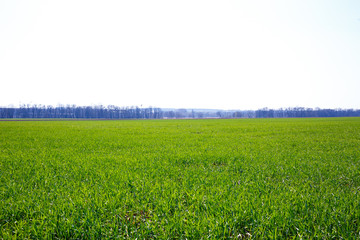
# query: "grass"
[[177, 179]]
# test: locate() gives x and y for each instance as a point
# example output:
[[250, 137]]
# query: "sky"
[[225, 54]]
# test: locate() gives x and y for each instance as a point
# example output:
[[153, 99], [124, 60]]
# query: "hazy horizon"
[[171, 108], [242, 55]]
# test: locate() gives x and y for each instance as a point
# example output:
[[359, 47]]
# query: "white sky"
[[185, 53]]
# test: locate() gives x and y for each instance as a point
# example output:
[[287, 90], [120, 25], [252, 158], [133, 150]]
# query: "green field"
[[177, 179]]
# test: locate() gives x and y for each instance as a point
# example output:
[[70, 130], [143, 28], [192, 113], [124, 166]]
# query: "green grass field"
[[177, 179]]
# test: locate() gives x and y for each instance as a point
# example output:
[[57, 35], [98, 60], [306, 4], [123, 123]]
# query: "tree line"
[[134, 112], [87, 112], [300, 112], [297, 112]]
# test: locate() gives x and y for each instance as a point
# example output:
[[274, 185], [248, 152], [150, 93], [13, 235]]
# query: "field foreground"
[[177, 179]]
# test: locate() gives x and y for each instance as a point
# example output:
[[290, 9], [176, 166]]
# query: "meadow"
[[178, 179]]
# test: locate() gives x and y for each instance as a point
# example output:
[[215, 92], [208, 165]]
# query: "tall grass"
[[177, 179]]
